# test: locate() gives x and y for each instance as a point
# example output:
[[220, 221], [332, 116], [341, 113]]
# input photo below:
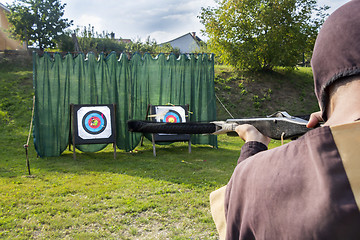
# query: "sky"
[[161, 20]]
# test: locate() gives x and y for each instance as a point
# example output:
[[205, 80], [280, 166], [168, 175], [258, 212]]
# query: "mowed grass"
[[135, 196]]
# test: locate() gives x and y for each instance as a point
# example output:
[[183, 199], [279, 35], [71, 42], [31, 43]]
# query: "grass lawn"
[[136, 196]]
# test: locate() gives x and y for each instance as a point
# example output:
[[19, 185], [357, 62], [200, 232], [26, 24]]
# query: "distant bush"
[[91, 41], [65, 43]]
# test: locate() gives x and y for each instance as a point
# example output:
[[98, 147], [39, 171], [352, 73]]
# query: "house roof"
[[196, 38], [4, 7], [186, 43]]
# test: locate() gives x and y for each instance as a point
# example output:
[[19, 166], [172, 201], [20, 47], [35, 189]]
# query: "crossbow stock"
[[279, 125]]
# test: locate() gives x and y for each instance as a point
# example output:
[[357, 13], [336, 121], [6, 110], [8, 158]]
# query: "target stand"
[[170, 114], [93, 124]]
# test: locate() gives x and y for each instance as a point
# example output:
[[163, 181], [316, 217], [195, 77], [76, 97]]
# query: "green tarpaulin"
[[131, 84]]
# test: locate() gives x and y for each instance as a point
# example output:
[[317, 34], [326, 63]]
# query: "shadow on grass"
[[204, 166]]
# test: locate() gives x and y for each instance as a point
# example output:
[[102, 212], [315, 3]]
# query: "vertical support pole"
[[142, 135], [153, 143], [27, 158], [70, 126], [188, 119], [73, 132], [26, 146], [114, 146], [114, 126], [190, 144]]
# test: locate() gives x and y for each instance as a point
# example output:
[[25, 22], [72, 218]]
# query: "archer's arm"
[[254, 141]]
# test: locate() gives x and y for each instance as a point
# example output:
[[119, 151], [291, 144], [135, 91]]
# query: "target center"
[[94, 122], [171, 120]]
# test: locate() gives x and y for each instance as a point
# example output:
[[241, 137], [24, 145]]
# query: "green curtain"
[[131, 84]]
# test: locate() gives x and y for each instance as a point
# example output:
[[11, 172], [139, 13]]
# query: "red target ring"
[[172, 117], [94, 122]]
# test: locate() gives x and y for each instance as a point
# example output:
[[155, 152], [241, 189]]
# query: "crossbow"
[[279, 125]]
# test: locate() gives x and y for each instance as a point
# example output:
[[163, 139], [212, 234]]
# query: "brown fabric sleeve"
[[251, 148]]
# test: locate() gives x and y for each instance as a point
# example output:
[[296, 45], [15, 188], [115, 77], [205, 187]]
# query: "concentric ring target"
[[172, 117], [94, 122]]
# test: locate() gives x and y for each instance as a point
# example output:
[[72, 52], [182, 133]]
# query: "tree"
[[261, 34], [65, 43], [38, 21]]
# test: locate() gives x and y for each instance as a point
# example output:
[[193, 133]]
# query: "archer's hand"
[[315, 118], [249, 133]]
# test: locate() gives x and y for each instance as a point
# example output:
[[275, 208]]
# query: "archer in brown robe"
[[308, 188], [303, 190]]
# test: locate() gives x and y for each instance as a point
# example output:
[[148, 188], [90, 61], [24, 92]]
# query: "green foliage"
[[262, 34], [66, 43], [38, 22], [108, 45], [86, 39], [203, 48], [151, 46], [243, 90], [92, 41]]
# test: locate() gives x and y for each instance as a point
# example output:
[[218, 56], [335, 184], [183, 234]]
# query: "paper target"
[[169, 114], [175, 114], [94, 122], [172, 117]]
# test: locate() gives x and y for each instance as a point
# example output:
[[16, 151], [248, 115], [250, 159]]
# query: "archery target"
[[172, 117], [168, 114], [94, 122]]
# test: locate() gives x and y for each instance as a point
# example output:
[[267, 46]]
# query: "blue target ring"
[[94, 122], [172, 117]]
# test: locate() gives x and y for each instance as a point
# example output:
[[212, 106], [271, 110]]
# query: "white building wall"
[[185, 43]]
